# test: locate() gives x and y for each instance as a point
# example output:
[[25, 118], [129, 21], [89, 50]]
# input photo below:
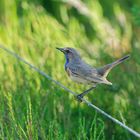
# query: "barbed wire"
[[62, 86]]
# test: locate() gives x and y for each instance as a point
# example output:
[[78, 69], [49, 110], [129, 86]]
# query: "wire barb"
[[62, 86]]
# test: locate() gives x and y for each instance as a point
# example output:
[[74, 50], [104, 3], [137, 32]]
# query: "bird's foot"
[[79, 97]]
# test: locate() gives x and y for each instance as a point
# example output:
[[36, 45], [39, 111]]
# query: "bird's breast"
[[75, 77], [68, 71]]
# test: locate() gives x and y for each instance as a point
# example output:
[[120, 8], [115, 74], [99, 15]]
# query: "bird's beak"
[[61, 49]]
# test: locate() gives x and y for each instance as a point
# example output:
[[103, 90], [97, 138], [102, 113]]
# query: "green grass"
[[33, 107]]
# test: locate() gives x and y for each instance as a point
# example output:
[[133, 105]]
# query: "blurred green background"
[[32, 107]]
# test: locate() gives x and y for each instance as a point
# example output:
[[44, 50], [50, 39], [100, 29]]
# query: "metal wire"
[[62, 86]]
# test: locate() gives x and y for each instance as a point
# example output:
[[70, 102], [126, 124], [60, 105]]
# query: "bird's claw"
[[79, 97]]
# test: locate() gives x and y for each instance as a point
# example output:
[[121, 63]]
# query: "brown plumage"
[[81, 72]]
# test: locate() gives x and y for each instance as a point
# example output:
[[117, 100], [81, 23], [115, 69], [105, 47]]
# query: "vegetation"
[[32, 107]]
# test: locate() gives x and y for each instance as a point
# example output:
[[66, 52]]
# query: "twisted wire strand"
[[65, 88]]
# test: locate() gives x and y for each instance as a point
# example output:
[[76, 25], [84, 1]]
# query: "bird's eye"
[[67, 51]]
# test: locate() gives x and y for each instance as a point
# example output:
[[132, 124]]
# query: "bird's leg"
[[84, 93]]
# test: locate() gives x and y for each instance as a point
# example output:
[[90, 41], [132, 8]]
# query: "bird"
[[81, 72]]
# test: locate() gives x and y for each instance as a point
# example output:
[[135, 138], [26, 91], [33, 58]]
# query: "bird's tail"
[[103, 71]]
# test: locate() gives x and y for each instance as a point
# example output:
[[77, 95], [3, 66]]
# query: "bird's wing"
[[85, 71]]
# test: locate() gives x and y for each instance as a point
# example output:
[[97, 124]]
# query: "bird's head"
[[70, 53]]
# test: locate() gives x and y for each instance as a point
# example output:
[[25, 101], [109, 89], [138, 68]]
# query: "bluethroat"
[[81, 72]]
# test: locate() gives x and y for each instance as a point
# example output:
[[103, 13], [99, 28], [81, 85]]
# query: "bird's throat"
[[67, 61]]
